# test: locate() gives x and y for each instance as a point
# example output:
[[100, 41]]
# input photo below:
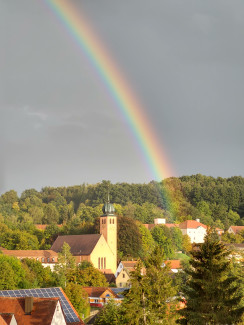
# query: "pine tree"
[[211, 293], [149, 301]]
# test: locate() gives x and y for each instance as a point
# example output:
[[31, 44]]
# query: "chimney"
[[28, 305], [198, 220]]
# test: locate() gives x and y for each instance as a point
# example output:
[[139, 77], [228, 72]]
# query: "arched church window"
[[99, 262]]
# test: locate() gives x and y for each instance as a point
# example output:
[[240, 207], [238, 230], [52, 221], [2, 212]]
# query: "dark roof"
[[79, 244]]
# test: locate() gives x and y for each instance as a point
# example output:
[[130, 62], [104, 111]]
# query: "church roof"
[[79, 244]]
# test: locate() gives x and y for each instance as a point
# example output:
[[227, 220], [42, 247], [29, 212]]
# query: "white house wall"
[[58, 317]]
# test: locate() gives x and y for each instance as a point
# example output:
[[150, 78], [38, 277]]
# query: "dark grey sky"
[[183, 59]]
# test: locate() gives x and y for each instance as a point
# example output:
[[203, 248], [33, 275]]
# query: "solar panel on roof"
[[45, 293]]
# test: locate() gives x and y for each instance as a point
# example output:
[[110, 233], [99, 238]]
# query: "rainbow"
[[126, 102]]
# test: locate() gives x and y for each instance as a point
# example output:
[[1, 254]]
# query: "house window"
[[123, 275], [43, 259], [96, 301], [48, 259], [53, 259]]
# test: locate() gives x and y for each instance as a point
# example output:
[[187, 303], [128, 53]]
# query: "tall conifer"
[[211, 293], [149, 301]]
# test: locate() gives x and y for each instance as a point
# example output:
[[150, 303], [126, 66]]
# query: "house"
[[194, 229], [236, 251], [30, 310], [235, 229], [174, 265], [7, 319], [99, 296], [123, 273], [99, 249], [45, 304], [129, 265], [46, 257], [219, 231], [160, 221], [123, 279]]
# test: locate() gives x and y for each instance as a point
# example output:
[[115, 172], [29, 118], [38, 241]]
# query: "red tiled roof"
[[30, 253], [42, 312], [79, 244], [129, 264], [170, 225], [98, 291], [7, 318], [237, 229], [192, 224], [43, 227], [150, 226], [173, 264], [4, 321]]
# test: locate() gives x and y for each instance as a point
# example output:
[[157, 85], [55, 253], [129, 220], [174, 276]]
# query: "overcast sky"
[[184, 60]]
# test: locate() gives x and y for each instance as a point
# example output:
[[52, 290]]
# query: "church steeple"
[[108, 208], [108, 228]]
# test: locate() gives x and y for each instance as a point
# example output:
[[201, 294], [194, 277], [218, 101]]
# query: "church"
[[99, 249]]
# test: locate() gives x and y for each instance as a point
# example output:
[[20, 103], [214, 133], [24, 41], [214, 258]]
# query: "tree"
[[36, 275], [50, 234], [147, 240], [78, 298], [87, 276], [11, 273], [162, 236], [212, 292], [186, 243], [110, 314], [149, 300], [129, 237], [66, 264], [51, 214], [177, 238]]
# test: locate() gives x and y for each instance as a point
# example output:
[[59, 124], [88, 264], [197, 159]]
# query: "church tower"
[[108, 228]]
